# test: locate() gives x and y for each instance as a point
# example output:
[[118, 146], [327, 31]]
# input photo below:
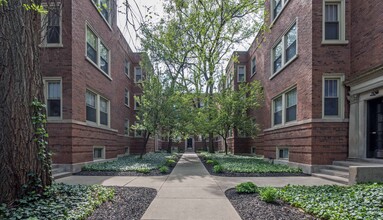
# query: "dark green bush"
[[247, 187], [164, 169], [170, 162], [214, 162], [268, 194], [217, 169]]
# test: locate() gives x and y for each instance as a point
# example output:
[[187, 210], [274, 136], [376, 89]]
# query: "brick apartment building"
[[321, 67], [91, 77]]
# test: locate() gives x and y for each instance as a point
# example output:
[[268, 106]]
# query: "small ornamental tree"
[[231, 109]]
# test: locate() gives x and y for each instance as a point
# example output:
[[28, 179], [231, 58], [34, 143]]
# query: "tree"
[[24, 158], [231, 109]]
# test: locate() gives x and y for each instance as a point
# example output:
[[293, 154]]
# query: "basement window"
[[98, 153]]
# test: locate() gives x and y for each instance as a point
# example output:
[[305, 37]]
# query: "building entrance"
[[375, 128]]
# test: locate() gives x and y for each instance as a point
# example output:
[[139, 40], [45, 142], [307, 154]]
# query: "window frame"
[[244, 73], [272, 7], [46, 80], [135, 74], [253, 65], [342, 22], [283, 95], [103, 153], [278, 149], [282, 40], [127, 67], [127, 131], [127, 96], [44, 27], [135, 102], [98, 51], [108, 20], [98, 109], [135, 132], [341, 95]]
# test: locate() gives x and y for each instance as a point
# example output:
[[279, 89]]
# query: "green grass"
[[245, 164], [150, 161], [364, 201], [59, 201]]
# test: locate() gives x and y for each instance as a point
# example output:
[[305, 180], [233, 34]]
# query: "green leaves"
[[362, 201]]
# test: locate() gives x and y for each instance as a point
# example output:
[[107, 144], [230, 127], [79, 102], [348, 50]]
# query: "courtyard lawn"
[[160, 162], [222, 163], [59, 201], [364, 201]]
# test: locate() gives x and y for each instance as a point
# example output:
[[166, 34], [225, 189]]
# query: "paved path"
[[189, 192]]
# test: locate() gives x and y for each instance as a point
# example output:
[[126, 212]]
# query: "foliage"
[[170, 162], [39, 120], [362, 201], [59, 201], [247, 187], [217, 169], [149, 162], [164, 169], [212, 162], [33, 7], [268, 194], [246, 164]]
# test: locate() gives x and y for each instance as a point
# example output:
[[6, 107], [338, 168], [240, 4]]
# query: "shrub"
[[268, 194], [164, 169], [170, 162], [143, 170], [214, 162], [217, 169], [247, 187]]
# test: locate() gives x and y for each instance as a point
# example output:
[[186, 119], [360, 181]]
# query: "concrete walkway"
[[190, 193]]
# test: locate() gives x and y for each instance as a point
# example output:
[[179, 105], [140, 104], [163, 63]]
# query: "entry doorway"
[[189, 144], [375, 128]]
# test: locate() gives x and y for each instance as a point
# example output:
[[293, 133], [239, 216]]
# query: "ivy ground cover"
[[155, 163], [234, 164], [59, 201]]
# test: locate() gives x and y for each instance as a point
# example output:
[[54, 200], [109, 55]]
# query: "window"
[[283, 153], [98, 153], [127, 68], [285, 50], [126, 127], [97, 52], [97, 109], [253, 150], [285, 107], [138, 133], [334, 20], [91, 113], [127, 97], [51, 26], [291, 105], [103, 6], [278, 111], [137, 102], [276, 7], [332, 93], [137, 74], [241, 73], [53, 98], [253, 66]]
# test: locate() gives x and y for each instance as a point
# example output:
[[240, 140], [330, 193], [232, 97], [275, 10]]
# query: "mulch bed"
[[209, 168], [249, 206], [128, 203]]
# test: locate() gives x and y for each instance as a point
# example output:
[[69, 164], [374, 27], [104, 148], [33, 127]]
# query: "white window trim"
[[284, 104], [127, 105], [99, 41], [127, 62], [284, 4], [341, 108], [102, 154], [252, 66], [244, 73], [135, 74], [342, 24], [109, 20], [97, 123], [282, 39], [44, 28], [45, 80], [277, 149]]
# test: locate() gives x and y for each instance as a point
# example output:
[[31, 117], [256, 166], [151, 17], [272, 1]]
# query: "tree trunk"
[[226, 147], [20, 84], [169, 149], [204, 144], [143, 150]]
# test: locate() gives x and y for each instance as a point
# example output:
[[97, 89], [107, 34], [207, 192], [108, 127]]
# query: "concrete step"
[[331, 178], [351, 163], [61, 175], [54, 166], [338, 168], [57, 170], [367, 160], [335, 173]]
